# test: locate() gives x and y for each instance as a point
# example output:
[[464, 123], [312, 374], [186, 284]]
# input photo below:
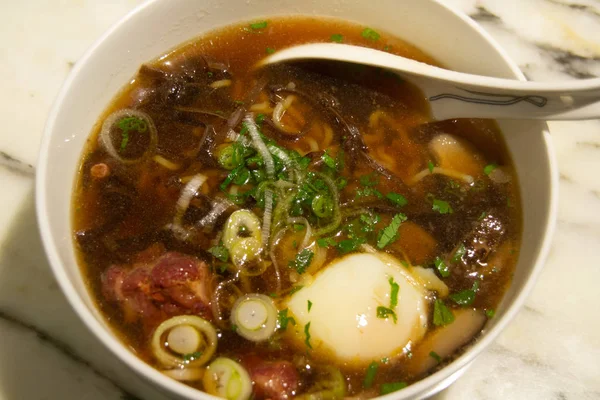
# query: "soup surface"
[[296, 231]]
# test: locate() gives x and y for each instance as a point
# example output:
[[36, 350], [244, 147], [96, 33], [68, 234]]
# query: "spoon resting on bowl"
[[454, 94]]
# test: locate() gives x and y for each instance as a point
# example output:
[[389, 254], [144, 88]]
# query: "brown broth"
[[118, 217]]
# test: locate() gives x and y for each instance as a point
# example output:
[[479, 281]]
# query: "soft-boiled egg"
[[345, 311]]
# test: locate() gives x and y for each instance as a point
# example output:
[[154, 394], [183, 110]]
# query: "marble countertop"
[[550, 351]]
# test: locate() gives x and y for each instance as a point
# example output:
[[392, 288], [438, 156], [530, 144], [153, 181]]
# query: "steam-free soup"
[[299, 230]]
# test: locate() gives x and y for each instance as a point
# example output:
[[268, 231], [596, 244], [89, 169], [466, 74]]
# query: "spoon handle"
[[454, 94], [473, 101]]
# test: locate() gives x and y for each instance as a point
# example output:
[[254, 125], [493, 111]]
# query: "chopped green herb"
[[441, 314], [260, 118], [465, 297], [390, 232], [309, 305], [489, 168], [295, 244], [490, 313], [369, 191], [388, 388], [430, 167], [370, 34], [258, 25], [349, 245], [234, 327], [298, 227], [270, 50], [283, 319], [273, 295], [482, 216], [460, 252], [192, 356], [395, 288], [328, 160], [397, 199], [387, 48], [385, 360], [220, 252], [326, 242], [307, 333], [302, 261], [129, 124], [442, 207], [239, 102], [442, 268], [369, 180], [210, 74], [435, 356], [341, 182], [384, 312], [337, 37], [222, 268], [370, 376]]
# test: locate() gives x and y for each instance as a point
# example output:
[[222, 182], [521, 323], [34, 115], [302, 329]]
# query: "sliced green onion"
[[128, 120], [322, 206], [238, 221], [336, 217], [203, 341], [228, 379], [255, 317], [244, 251], [229, 156], [184, 339]]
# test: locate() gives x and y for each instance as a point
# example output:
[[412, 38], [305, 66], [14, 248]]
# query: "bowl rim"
[[429, 385]]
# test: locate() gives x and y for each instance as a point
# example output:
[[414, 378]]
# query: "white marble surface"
[[550, 351]]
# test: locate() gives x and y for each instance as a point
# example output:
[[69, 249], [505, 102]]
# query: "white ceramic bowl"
[[160, 25]]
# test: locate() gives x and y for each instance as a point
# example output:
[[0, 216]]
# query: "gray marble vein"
[[12, 164]]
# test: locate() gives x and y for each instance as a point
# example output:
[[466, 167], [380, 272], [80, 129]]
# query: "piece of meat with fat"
[[277, 380], [160, 287]]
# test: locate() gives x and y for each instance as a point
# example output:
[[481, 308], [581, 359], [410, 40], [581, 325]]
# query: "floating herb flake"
[[394, 290], [192, 356], [435, 356], [441, 314], [442, 207], [283, 319], [302, 261], [370, 34], [258, 25], [337, 37], [460, 252], [465, 297], [397, 199], [307, 334], [441, 266], [387, 388], [489, 168], [370, 376], [384, 312], [390, 232], [220, 252]]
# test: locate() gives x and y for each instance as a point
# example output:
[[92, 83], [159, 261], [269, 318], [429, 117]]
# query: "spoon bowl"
[[454, 94]]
